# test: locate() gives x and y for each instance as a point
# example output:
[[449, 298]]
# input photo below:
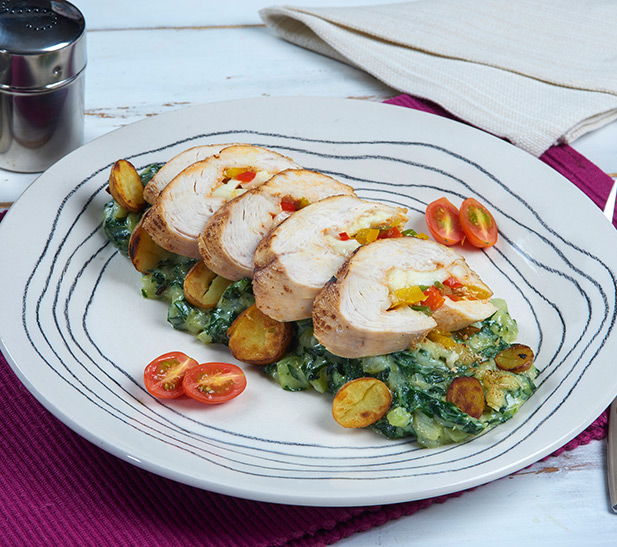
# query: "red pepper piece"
[[288, 206], [246, 176], [453, 283], [391, 232], [434, 299]]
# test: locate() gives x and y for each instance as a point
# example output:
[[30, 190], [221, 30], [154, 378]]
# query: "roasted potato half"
[[144, 253], [202, 287], [126, 187], [258, 339], [517, 358], [361, 402], [467, 393]]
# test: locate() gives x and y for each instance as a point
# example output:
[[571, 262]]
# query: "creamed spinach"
[[418, 378]]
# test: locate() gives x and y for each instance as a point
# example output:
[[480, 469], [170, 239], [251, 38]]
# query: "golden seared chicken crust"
[[176, 165], [230, 238], [354, 315], [180, 213], [295, 259]]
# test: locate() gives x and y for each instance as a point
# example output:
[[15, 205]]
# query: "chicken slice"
[[229, 240], [180, 213], [177, 164], [356, 314], [295, 260]]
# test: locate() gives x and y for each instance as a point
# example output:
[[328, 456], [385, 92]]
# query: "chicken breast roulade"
[[180, 213], [176, 165], [295, 260], [231, 236], [367, 308]]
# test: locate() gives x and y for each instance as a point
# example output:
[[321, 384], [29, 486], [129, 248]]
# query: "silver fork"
[[609, 211]]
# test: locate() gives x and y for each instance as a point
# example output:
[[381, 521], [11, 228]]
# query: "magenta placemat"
[[58, 489]]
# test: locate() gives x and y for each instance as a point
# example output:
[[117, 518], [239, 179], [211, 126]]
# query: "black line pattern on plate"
[[367, 186]]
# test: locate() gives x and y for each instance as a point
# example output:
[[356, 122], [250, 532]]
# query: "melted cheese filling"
[[399, 279], [233, 187], [369, 219]]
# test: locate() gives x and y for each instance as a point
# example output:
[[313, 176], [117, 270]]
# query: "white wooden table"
[[150, 57]]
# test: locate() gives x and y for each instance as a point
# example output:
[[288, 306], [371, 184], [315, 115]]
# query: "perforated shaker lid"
[[42, 43]]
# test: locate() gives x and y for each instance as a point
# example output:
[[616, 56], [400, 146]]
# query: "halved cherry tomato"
[[478, 224], [442, 219], [163, 376], [214, 383]]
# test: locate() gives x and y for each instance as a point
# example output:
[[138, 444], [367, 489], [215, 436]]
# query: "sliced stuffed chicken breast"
[[391, 293], [176, 165], [295, 259], [180, 213], [230, 238]]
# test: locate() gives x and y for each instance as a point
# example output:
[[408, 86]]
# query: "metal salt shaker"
[[42, 66]]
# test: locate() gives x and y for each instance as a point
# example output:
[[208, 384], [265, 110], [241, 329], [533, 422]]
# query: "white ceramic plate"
[[77, 332]]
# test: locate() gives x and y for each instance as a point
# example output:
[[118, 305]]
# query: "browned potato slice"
[[517, 358], [258, 339], [144, 253], [361, 402], [202, 287], [467, 393], [126, 187]]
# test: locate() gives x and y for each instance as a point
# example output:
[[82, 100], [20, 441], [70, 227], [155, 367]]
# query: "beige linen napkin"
[[535, 72]]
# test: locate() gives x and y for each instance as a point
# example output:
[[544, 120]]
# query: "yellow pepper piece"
[[407, 296], [443, 338], [366, 235], [233, 172], [302, 202], [478, 292]]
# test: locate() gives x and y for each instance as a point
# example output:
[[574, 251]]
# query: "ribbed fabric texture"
[[536, 73], [57, 489], [586, 176]]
